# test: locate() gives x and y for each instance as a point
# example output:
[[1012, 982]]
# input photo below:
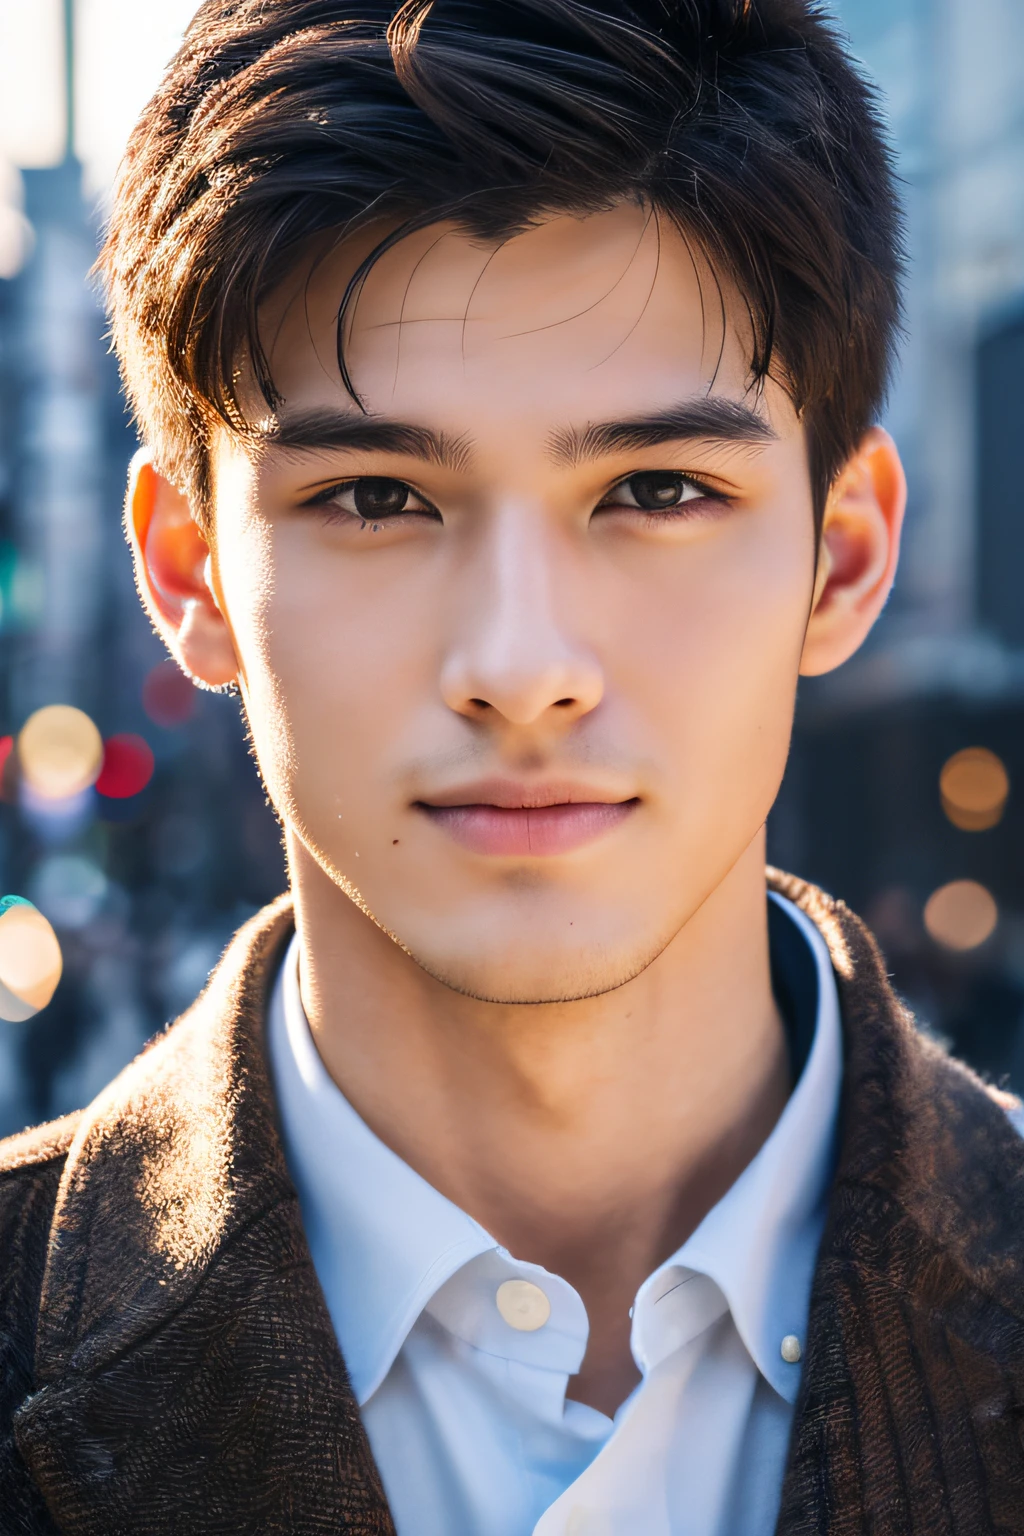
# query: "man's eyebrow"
[[312, 430], [712, 419]]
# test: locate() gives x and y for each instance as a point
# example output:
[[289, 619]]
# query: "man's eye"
[[655, 491], [371, 498]]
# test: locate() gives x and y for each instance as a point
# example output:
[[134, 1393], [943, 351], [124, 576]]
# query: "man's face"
[[519, 647]]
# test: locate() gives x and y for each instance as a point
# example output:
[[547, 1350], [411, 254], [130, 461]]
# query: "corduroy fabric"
[[169, 1366]]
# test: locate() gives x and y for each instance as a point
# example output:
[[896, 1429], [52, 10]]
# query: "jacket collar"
[[188, 1375], [912, 1394], [176, 1159]]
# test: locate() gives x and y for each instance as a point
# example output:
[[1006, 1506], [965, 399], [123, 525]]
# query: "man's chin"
[[549, 980]]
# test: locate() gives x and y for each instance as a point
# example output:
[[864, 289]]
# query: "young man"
[[508, 372]]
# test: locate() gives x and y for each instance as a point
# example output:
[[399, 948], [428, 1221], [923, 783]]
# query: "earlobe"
[[173, 569], [860, 541]]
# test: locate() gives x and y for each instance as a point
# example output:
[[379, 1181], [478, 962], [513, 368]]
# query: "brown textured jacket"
[[167, 1363]]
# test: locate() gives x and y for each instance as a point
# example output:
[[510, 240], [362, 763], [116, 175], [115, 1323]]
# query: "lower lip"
[[533, 833]]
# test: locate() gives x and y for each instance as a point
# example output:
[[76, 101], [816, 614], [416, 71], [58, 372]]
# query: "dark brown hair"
[[743, 121]]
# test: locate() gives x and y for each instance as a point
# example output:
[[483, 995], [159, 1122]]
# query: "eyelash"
[[677, 510], [330, 494]]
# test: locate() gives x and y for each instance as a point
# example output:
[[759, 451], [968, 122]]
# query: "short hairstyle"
[[279, 122]]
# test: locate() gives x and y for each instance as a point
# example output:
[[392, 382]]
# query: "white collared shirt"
[[462, 1380]]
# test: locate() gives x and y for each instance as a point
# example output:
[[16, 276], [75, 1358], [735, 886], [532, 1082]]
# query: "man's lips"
[[510, 821]]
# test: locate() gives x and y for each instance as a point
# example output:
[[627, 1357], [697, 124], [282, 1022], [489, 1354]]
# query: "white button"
[[523, 1305], [790, 1349]]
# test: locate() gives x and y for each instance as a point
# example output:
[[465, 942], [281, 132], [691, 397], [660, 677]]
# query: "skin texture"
[[579, 1045]]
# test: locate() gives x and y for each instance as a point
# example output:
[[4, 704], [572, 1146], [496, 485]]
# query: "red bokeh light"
[[8, 769], [127, 767], [168, 697]]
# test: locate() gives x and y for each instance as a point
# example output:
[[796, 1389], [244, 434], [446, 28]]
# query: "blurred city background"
[[131, 816]]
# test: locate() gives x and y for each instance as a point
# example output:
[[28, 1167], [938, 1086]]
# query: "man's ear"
[[860, 545], [173, 568]]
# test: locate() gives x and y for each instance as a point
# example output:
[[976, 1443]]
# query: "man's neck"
[[588, 1137]]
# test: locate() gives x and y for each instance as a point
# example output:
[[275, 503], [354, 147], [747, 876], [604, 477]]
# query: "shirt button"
[[523, 1305], [790, 1349]]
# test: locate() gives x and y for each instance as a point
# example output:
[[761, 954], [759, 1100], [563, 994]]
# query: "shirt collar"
[[384, 1241], [759, 1244]]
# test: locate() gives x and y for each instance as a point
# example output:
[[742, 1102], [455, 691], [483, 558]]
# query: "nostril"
[[564, 703], [479, 703]]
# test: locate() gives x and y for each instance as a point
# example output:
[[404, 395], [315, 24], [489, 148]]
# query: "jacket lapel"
[[910, 1413], [188, 1374]]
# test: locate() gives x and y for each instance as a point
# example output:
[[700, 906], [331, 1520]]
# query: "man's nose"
[[516, 652]]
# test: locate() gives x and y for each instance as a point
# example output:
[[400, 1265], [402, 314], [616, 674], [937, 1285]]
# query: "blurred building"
[[143, 888], [862, 810]]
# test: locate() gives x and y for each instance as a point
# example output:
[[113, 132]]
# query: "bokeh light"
[[961, 915], [127, 767], [60, 752], [168, 696], [54, 822], [69, 888], [974, 786], [30, 960]]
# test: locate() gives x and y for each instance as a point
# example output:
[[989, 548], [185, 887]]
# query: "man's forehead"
[[570, 299]]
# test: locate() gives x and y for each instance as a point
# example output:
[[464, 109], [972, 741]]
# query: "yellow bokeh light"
[[961, 915], [974, 785], [60, 752], [30, 962]]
